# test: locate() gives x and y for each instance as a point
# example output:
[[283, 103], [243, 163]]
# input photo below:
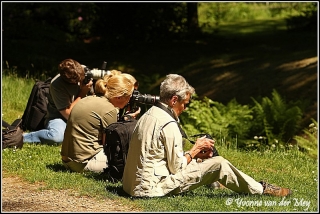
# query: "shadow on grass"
[[195, 195], [113, 187], [57, 167], [116, 188]]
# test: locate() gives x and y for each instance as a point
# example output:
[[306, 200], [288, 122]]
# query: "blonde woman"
[[100, 90], [82, 148]]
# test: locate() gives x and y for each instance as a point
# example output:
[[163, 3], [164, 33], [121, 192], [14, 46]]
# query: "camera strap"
[[184, 135], [159, 105]]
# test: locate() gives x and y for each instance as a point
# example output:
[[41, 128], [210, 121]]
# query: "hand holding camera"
[[134, 114], [207, 149]]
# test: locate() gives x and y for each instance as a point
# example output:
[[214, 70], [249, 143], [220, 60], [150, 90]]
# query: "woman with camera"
[[82, 147]]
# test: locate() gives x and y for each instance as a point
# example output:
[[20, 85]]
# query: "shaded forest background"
[[225, 50]]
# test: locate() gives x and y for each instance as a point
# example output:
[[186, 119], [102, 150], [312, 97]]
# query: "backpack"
[[12, 134], [116, 147], [34, 115]]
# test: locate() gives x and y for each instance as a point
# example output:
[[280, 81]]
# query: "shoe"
[[269, 189], [216, 185]]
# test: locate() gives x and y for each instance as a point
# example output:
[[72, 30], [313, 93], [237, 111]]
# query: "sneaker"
[[269, 189]]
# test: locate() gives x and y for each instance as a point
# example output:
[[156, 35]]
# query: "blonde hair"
[[100, 86], [114, 72], [132, 79], [114, 84]]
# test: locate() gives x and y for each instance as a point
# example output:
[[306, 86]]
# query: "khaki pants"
[[217, 169], [96, 164]]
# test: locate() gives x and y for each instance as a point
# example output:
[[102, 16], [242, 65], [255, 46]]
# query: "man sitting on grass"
[[157, 165]]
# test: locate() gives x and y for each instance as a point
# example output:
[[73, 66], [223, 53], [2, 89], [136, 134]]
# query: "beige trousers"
[[217, 169], [96, 164]]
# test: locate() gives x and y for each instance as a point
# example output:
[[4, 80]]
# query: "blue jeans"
[[53, 133]]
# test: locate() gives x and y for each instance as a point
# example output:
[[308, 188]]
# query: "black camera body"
[[215, 151], [137, 97], [94, 73]]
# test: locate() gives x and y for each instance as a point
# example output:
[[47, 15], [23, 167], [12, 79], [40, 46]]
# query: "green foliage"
[[270, 124], [75, 20], [37, 36], [246, 11], [211, 14], [229, 124], [306, 20], [309, 141], [275, 119]]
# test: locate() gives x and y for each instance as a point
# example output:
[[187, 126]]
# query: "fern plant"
[[309, 141], [229, 124], [276, 119]]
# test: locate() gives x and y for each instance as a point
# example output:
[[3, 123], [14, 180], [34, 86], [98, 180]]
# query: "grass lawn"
[[41, 163]]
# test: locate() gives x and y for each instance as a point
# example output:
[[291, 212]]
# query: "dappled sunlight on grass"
[[247, 27]]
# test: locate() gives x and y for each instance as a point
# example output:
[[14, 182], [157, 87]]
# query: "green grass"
[[41, 163], [241, 28], [13, 107]]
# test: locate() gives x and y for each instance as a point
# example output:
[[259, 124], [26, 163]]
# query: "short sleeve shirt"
[[85, 126], [61, 95]]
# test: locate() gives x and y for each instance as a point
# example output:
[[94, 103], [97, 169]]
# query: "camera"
[[94, 73], [215, 152], [137, 97]]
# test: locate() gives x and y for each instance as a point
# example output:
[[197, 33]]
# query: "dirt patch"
[[21, 196]]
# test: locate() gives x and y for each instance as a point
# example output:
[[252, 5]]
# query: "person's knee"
[[57, 140], [56, 137], [219, 159]]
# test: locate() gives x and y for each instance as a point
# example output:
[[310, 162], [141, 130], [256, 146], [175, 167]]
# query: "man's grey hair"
[[175, 84]]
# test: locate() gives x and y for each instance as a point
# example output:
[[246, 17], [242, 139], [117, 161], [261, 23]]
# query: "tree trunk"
[[193, 24]]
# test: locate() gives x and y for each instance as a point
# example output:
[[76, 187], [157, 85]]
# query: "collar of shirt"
[[173, 112]]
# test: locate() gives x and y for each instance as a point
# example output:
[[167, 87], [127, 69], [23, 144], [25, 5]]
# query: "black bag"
[[12, 134], [116, 147], [34, 115]]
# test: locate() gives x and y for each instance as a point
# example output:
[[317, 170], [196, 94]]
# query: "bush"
[[275, 119], [229, 124]]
